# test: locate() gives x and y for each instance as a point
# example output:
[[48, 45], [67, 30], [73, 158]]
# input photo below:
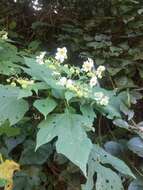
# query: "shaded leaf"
[[31, 157], [136, 145], [136, 185], [113, 148]]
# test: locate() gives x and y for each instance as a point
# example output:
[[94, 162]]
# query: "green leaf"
[[40, 72], [69, 95], [2, 182], [124, 81], [45, 106], [136, 185], [112, 110], [135, 144], [24, 93], [34, 45], [106, 158], [38, 86], [29, 179], [13, 141], [30, 157], [89, 116], [9, 131], [127, 111], [113, 71], [11, 108], [72, 140], [121, 123], [114, 148], [106, 178], [8, 68], [7, 51], [8, 57]]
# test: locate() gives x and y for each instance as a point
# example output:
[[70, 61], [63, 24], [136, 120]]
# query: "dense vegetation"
[[71, 95]]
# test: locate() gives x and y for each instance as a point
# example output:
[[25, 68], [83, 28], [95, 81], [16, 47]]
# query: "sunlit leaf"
[[45, 106], [11, 108], [72, 140]]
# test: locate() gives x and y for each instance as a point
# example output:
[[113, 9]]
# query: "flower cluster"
[[66, 82], [3, 35], [74, 86], [61, 54], [25, 82], [101, 98], [99, 71], [40, 58], [87, 72], [93, 81], [88, 67]]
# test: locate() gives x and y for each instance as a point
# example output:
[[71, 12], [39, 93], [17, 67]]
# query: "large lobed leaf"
[[8, 59], [107, 179], [11, 108], [72, 140], [40, 72]]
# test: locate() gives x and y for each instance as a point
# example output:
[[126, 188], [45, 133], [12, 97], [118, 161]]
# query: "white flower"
[[101, 98], [104, 101], [69, 83], [98, 96], [99, 71], [66, 65], [62, 81], [55, 73], [66, 82], [61, 54], [93, 81], [5, 36], [36, 5], [88, 65], [31, 81], [39, 59]]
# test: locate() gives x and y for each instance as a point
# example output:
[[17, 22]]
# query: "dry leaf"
[[7, 169]]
